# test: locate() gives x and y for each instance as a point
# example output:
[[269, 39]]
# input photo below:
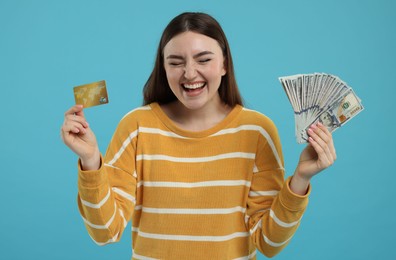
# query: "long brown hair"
[[157, 88]]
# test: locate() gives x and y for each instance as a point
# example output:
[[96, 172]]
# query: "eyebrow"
[[172, 56]]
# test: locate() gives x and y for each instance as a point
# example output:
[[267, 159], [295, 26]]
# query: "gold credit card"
[[91, 94]]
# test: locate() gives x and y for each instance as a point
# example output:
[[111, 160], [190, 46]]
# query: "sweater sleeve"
[[106, 197], [273, 211]]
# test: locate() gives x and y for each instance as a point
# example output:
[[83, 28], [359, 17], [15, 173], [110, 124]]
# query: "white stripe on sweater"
[[112, 166], [124, 194], [206, 211], [238, 129], [254, 128], [137, 109], [96, 205], [281, 223], [272, 145], [141, 257], [254, 229], [273, 244], [193, 238], [123, 218], [168, 184], [149, 130], [255, 169], [266, 239], [263, 193], [105, 226], [111, 240], [123, 147], [194, 159], [276, 220]]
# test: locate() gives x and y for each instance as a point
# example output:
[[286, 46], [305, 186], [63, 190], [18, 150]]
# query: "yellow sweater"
[[214, 194]]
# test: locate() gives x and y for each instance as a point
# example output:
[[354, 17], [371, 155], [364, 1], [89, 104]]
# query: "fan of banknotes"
[[320, 97]]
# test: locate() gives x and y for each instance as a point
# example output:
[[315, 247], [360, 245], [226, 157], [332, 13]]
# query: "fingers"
[[81, 111], [74, 121], [321, 140], [74, 110], [329, 142], [73, 127]]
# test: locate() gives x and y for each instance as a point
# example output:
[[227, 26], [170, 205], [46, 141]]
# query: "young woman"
[[199, 175]]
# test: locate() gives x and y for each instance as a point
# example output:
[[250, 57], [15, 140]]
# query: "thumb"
[[80, 111]]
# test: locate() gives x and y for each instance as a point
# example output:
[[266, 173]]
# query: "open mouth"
[[191, 87]]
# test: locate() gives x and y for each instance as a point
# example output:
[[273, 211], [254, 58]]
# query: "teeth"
[[193, 86]]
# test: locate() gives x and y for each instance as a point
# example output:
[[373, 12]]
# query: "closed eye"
[[204, 61], [174, 64]]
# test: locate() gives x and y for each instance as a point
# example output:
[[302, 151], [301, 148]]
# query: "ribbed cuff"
[[291, 200], [91, 179]]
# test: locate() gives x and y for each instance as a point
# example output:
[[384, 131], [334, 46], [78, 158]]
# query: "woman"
[[199, 175]]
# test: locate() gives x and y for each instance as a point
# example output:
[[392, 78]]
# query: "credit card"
[[92, 94]]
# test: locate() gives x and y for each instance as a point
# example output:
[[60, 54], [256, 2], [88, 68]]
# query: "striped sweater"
[[214, 194]]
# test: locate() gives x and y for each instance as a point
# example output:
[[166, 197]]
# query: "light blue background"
[[47, 47]]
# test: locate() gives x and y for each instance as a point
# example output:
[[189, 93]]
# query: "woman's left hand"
[[318, 155]]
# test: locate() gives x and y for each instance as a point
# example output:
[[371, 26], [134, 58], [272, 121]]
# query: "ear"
[[223, 70]]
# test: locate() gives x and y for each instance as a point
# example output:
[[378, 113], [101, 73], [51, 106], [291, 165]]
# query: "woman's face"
[[194, 66]]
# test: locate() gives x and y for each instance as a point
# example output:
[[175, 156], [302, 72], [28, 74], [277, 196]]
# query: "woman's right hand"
[[78, 136]]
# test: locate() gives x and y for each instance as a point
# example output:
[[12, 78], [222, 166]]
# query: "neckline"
[[194, 134]]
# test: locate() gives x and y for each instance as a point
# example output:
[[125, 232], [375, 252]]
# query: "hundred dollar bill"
[[319, 97], [338, 113]]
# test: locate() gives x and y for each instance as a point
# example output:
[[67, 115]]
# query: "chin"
[[193, 105]]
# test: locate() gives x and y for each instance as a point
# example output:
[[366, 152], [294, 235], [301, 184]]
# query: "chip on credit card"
[[92, 94]]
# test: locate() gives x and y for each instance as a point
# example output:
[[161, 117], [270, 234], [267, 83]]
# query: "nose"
[[190, 71]]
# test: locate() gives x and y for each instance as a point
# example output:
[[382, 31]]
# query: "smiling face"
[[194, 66]]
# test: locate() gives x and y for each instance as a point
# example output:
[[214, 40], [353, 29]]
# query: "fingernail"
[[320, 124], [313, 126]]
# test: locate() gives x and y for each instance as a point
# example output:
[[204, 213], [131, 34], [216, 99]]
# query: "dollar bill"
[[340, 112], [320, 97]]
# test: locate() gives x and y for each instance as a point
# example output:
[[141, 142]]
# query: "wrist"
[[299, 185], [92, 162]]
